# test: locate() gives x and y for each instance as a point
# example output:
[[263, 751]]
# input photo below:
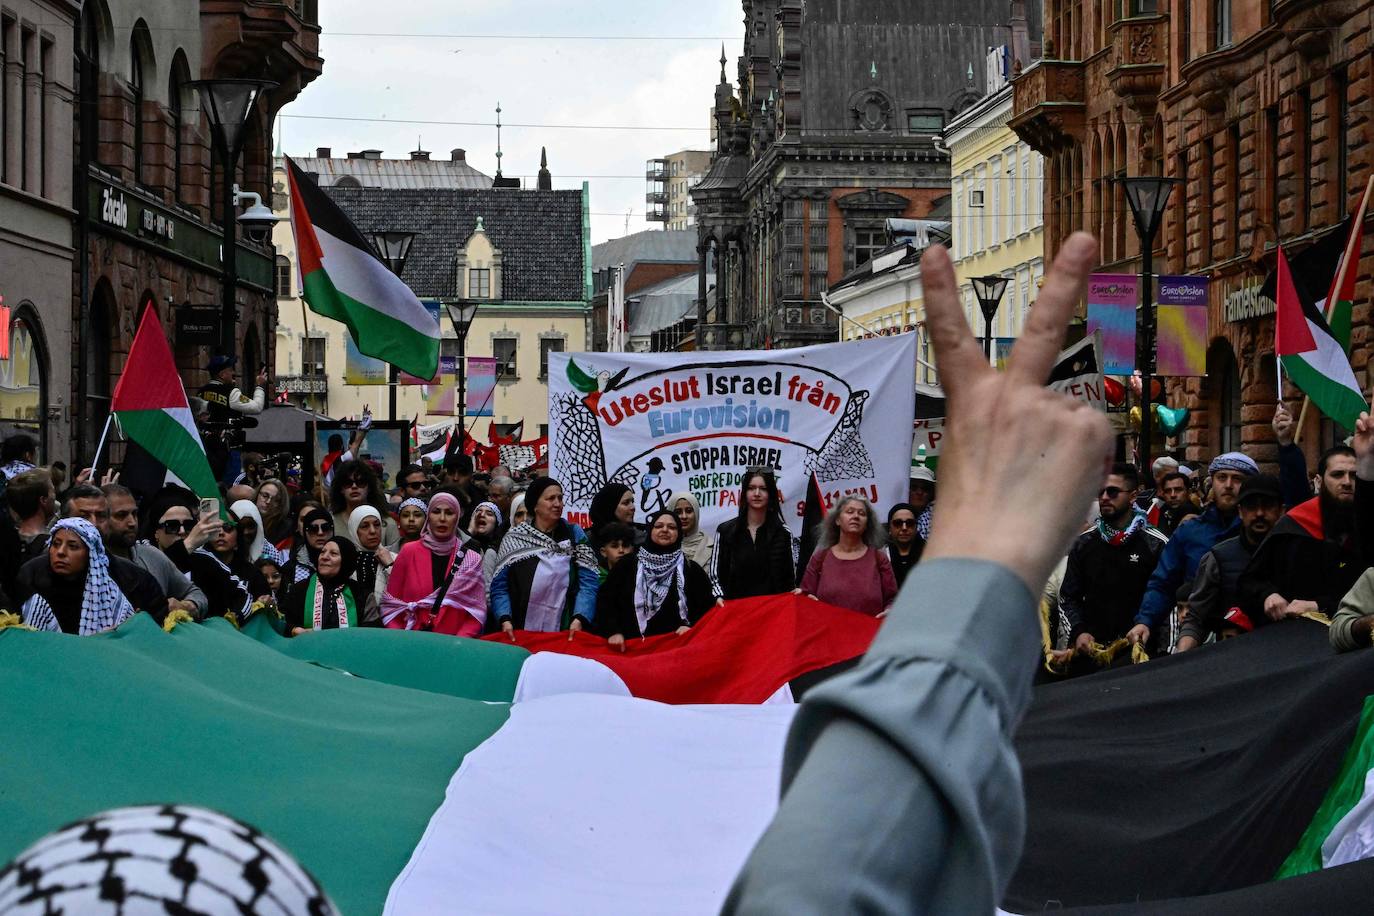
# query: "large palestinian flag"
[[342, 278], [150, 404]]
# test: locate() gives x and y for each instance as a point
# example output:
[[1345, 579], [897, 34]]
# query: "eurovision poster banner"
[[441, 395], [1112, 302], [662, 423], [360, 369], [481, 386], [432, 306], [1181, 320]]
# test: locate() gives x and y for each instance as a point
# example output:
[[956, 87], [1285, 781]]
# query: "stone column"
[[13, 127], [33, 121]]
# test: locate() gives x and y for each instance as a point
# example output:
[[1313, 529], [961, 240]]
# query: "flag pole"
[[95, 462], [1346, 266]]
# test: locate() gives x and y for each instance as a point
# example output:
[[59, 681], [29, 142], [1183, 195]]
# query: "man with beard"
[[1215, 598], [1193, 538], [1312, 557], [1108, 568]]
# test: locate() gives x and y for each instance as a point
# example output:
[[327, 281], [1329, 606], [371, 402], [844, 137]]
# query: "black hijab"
[[605, 502], [348, 560]]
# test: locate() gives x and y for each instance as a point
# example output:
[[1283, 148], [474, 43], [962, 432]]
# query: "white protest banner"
[[663, 423], [1078, 372], [927, 438]]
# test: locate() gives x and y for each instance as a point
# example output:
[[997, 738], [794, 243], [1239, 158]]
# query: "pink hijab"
[[442, 546]]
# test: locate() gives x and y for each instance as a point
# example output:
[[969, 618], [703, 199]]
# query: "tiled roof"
[[394, 173], [675, 246], [539, 235]]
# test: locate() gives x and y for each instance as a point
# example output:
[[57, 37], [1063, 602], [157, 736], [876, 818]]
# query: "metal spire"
[[722, 62], [498, 140]]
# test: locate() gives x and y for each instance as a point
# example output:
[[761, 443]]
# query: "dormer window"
[[479, 283]]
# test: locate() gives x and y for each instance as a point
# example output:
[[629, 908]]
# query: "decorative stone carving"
[[871, 110]]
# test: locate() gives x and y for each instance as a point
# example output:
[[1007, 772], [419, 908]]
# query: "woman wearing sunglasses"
[[316, 527], [353, 486], [171, 522], [904, 543]]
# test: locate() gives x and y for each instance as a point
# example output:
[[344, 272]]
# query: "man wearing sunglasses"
[[1108, 568]]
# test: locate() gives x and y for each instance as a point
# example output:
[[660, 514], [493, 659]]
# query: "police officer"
[[225, 398]]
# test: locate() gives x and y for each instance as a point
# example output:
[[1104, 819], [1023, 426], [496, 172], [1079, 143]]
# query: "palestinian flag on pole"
[[342, 278], [151, 407], [380, 758], [1312, 356], [1340, 301]]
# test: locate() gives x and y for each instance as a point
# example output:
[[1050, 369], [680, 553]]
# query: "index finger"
[[1043, 336], [957, 355]]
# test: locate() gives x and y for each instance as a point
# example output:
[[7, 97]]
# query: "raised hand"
[[1363, 444], [1283, 425], [1020, 463]]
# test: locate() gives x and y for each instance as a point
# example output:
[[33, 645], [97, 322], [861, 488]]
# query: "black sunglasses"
[[319, 527], [1110, 492], [903, 523], [175, 526], [415, 484], [355, 482]]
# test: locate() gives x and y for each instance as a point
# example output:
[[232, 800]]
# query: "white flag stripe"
[[600, 804], [366, 280], [1329, 359]]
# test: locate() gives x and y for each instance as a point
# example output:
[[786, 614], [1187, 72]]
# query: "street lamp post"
[[462, 313], [393, 247], [989, 291], [228, 104], [1148, 195]]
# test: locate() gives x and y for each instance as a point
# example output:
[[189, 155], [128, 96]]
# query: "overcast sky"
[[665, 78]]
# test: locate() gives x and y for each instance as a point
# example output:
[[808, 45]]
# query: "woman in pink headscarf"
[[436, 584]]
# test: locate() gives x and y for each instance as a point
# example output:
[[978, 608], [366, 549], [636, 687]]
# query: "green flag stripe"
[[1345, 791], [344, 772], [1339, 322], [1338, 402], [472, 669], [170, 442], [377, 334]]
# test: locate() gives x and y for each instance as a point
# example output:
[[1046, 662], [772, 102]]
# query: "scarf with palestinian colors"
[[1115, 537], [525, 541], [319, 597]]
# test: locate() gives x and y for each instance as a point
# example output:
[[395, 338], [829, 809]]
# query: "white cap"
[[1164, 463], [921, 472]]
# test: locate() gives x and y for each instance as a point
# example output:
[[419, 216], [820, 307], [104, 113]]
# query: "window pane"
[[925, 122], [21, 384], [503, 348]]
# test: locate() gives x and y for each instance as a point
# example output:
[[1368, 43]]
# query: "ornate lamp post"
[[462, 313], [1148, 195], [393, 247], [228, 104], [989, 291]]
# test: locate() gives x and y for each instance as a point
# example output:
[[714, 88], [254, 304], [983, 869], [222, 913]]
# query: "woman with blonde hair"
[[849, 568]]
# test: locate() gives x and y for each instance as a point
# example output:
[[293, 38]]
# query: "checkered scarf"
[[103, 605]]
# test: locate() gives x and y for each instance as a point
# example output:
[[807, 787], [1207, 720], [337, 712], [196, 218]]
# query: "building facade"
[[36, 254], [1261, 111], [648, 259], [524, 256], [670, 181], [831, 127], [996, 199], [149, 207]]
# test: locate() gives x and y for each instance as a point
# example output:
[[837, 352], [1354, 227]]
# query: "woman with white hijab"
[[374, 560]]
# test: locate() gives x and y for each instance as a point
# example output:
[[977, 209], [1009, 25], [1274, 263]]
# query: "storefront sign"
[[113, 209], [1246, 302], [130, 215], [198, 326]]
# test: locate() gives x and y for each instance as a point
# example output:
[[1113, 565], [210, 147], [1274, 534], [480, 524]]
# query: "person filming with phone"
[[182, 527]]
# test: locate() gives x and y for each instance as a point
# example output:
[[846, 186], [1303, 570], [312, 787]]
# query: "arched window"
[[136, 87], [176, 88], [1224, 396], [90, 60], [23, 385], [283, 277]]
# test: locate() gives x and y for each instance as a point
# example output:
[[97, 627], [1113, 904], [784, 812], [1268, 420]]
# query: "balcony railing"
[[1049, 105], [656, 170]]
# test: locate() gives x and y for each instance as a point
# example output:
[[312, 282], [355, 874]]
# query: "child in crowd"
[[617, 541]]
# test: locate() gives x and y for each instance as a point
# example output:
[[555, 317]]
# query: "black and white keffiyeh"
[[163, 859], [657, 573], [15, 468], [525, 541], [103, 605]]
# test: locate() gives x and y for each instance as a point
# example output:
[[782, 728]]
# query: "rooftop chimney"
[[458, 155], [323, 152], [371, 154], [420, 155], [1020, 38]]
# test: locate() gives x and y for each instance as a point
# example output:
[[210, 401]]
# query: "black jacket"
[[747, 567], [142, 590], [615, 602], [1216, 587], [1103, 585], [1299, 562], [226, 592]]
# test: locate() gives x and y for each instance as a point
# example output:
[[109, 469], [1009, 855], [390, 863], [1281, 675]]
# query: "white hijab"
[[246, 508], [356, 518]]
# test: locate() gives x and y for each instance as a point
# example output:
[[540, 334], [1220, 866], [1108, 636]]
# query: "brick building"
[[835, 129], [148, 201], [1263, 111]]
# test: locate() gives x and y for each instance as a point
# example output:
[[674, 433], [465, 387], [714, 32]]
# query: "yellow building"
[[996, 206], [523, 256]]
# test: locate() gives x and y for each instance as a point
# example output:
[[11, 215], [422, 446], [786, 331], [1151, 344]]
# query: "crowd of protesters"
[[446, 551]]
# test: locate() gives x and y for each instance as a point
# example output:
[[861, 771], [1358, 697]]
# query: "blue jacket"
[[508, 595], [1178, 563]]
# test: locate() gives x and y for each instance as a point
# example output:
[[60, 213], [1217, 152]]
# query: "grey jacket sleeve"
[[1204, 604], [1357, 603], [175, 583], [901, 789]]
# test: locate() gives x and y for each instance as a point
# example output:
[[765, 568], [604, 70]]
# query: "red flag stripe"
[[149, 380], [1291, 333]]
